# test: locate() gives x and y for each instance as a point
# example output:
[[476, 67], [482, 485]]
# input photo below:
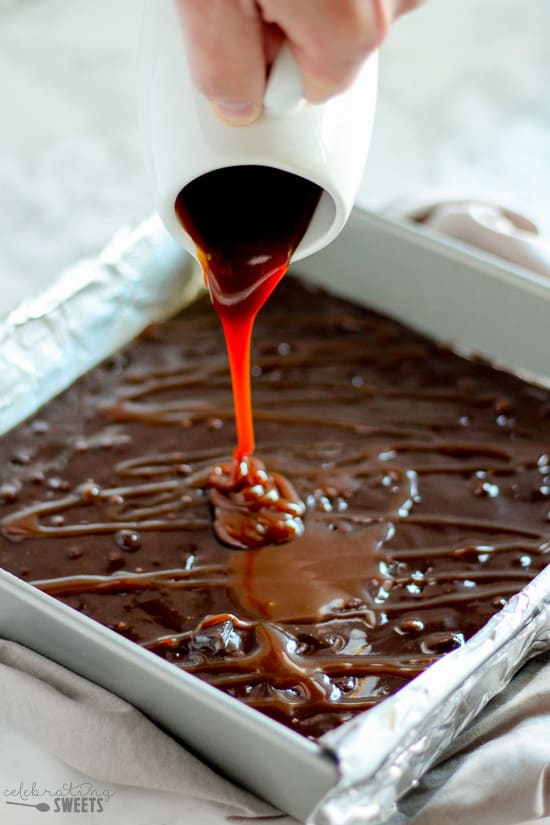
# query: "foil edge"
[[89, 312], [425, 716]]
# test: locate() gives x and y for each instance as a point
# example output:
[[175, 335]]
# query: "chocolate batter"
[[425, 480]]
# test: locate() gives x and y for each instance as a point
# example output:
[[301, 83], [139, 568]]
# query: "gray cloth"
[[105, 738], [498, 772]]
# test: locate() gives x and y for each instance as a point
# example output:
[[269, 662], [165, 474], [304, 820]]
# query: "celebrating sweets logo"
[[69, 798]]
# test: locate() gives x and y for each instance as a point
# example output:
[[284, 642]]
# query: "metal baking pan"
[[441, 288]]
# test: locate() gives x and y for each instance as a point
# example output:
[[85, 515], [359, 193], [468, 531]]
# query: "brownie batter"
[[425, 480]]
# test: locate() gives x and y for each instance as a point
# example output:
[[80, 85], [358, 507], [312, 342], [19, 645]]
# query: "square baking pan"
[[444, 289]]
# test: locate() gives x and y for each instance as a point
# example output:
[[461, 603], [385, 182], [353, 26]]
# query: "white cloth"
[[98, 735], [489, 226], [497, 772]]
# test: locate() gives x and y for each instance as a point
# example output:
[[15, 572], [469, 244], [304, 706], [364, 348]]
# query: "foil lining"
[[97, 307], [90, 312]]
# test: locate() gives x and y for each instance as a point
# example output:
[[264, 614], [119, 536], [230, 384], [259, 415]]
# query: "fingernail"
[[236, 114]]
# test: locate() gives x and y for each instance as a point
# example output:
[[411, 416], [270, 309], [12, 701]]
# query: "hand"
[[231, 44]]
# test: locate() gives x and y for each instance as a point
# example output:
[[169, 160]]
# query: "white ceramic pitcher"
[[326, 143]]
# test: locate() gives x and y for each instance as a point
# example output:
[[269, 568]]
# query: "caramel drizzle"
[[141, 403], [162, 498], [275, 657]]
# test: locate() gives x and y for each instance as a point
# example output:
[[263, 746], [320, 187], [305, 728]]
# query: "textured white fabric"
[[98, 735], [497, 772], [488, 226]]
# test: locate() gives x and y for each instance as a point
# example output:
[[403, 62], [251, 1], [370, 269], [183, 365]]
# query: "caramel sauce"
[[246, 222], [425, 481]]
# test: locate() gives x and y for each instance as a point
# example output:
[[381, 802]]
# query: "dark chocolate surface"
[[426, 480]]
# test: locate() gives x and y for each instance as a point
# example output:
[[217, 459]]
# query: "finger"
[[403, 6], [225, 45], [331, 44], [273, 40]]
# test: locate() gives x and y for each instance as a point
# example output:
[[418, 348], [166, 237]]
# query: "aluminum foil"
[[91, 311], [100, 305]]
